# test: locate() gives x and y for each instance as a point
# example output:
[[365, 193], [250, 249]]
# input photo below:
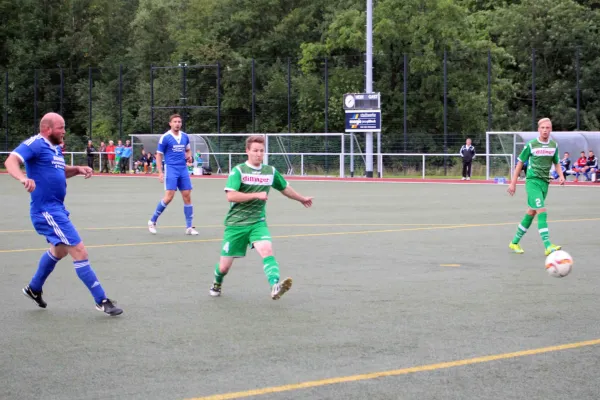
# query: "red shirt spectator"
[[581, 161], [110, 149]]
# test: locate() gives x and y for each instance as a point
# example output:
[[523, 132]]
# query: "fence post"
[[445, 111], [183, 95], [90, 103], [151, 99], [489, 71], [218, 97], [266, 159], [423, 171], [405, 101], [6, 109], [253, 98], [578, 92], [120, 101], [35, 90], [352, 155], [326, 73], [342, 158], [289, 95], [302, 164], [62, 90], [533, 124]]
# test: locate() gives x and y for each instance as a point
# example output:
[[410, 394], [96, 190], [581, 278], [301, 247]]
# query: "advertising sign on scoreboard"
[[363, 120]]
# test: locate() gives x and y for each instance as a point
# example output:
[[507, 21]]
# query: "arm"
[[512, 187], [74, 171], [188, 155], [13, 167], [559, 171], [239, 197], [159, 166], [290, 193]]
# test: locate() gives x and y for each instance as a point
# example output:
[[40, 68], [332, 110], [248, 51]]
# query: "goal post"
[[290, 153]]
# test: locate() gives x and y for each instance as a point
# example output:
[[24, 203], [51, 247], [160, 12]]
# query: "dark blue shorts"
[[56, 227], [177, 178]]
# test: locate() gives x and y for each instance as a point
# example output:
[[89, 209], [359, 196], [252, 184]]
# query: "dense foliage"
[[288, 51]]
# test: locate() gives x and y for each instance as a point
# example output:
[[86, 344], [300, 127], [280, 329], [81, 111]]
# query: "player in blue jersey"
[[174, 148], [46, 180]]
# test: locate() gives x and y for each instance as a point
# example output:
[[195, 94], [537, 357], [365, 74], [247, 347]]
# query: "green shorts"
[[537, 190], [236, 239]]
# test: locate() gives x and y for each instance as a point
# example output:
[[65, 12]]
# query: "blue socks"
[[188, 210], [45, 268], [159, 210], [88, 277]]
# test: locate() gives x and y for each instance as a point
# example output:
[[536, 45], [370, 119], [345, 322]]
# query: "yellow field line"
[[116, 228], [396, 372], [428, 228]]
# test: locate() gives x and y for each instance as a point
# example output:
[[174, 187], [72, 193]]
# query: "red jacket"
[[111, 149], [581, 162]]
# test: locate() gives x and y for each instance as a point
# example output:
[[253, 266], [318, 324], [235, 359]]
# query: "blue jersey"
[[45, 164], [173, 148], [127, 152]]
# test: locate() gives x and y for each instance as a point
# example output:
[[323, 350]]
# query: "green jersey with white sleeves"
[[245, 178], [539, 157]]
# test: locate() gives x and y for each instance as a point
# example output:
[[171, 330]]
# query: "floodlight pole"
[[369, 87]]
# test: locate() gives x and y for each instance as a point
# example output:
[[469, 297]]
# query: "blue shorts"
[[177, 178], [56, 226]]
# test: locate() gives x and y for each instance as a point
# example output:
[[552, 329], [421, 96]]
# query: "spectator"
[[467, 152], [150, 163], [198, 161], [103, 160], [90, 150], [580, 165], [118, 152], [591, 167], [565, 165], [125, 156], [142, 163], [154, 164], [110, 150]]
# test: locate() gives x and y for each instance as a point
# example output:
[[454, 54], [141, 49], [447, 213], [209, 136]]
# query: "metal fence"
[[425, 108]]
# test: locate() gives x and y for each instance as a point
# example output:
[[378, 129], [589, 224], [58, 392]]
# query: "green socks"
[[543, 229], [271, 268], [523, 226], [219, 275]]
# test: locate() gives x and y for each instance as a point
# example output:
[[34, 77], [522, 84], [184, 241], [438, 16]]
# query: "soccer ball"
[[559, 264]]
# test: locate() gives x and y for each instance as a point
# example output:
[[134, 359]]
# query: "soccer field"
[[401, 291]]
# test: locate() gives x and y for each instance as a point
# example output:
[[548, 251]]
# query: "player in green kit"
[[541, 153], [247, 191]]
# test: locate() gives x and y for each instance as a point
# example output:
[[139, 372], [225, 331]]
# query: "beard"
[[55, 139]]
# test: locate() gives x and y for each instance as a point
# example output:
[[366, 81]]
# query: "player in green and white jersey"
[[247, 191], [540, 154]]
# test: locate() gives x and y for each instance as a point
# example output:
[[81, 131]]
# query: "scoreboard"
[[363, 112], [362, 101]]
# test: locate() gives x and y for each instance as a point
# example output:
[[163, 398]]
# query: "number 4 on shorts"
[[226, 247]]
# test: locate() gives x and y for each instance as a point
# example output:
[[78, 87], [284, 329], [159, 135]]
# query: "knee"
[[168, 197], [59, 252], [264, 249], [187, 197], [532, 212], [79, 252]]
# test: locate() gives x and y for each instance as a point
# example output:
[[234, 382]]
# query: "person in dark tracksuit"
[[467, 152]]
